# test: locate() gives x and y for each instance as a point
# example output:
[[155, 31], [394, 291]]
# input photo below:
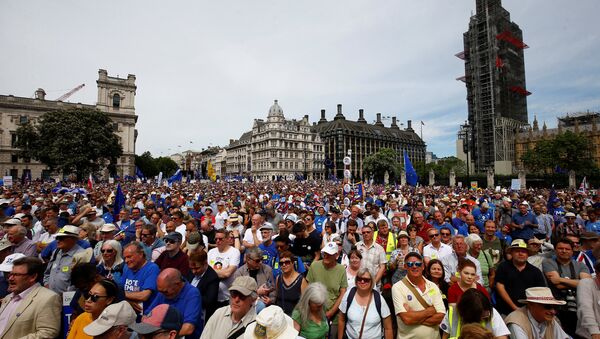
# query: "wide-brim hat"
[[517, 243], [271, 323], [68, 231], [540, 295]]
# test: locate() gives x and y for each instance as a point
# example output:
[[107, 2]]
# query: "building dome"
[[275, 111]]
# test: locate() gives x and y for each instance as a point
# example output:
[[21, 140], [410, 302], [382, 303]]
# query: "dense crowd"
[[298, 260]]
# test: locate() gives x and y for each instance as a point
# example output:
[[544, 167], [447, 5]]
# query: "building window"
[[13, 139], [23, 119], [115, 126], [116, 101], [14, 158]]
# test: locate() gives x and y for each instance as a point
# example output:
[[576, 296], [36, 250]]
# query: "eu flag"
[[411, 175], [119, 202]]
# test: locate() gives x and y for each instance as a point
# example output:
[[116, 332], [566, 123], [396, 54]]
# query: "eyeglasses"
[[145, 235], [411, 264], [14, 274], [431, 236], [107, 251], [444, 234], [363, 280], [236, 294], [285, 262], [93, 297], [367, 232]]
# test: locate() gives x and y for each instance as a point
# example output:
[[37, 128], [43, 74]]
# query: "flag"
[[360, 190], [422, 123], [160, 175], [499, 62], [139, 173], [176, 177], [583, 185], [119, 202], [90, 182], [411, 175]]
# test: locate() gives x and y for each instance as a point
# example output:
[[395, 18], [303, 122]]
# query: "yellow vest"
[[391, 244]]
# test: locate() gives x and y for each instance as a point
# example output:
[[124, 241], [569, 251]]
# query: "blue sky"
[[206, 69]]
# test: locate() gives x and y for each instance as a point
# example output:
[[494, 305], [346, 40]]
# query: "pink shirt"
[[13, 304]]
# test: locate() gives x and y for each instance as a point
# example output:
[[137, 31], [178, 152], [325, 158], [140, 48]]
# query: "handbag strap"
[[415, 292], [362, 326]]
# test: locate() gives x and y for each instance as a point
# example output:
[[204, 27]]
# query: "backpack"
[[376, 296]]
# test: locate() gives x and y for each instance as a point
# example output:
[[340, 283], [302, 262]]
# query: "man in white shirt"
[[450, 261], [436, 249], [224, 259]]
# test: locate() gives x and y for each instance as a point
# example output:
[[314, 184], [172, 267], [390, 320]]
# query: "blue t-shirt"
[[481, 217], [188, 303], [141, 280], [319, 221], [269, 254], [527, 231], [593, 227], [298, 265]]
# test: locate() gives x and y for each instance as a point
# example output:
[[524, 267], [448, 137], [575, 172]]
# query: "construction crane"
[[69, 93]]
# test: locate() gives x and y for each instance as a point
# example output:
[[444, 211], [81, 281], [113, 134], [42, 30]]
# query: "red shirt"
[[423, 232], [179, 261], [455, 292]]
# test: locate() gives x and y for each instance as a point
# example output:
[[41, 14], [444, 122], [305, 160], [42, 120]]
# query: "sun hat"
[[517, 243], [271, 323], [7, 264], [540, 295], [68, 231]]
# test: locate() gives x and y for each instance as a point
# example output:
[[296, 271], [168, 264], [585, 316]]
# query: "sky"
[[206, 69]]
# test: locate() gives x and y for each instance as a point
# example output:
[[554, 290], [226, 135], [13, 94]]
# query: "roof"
[[367, 130]]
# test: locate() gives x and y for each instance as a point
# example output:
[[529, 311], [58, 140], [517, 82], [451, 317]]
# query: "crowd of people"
[[298, 260]]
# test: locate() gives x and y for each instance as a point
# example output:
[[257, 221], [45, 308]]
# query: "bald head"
[[170, 282]]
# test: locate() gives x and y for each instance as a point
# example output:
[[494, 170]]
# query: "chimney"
[[339, 115], [322, 120], [378, 122], [40, 94], [409, 126], [231, 141], [394, 124], [361, 116]]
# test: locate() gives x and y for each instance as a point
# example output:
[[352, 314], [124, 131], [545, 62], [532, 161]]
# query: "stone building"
[[585, 123], [286, 149], [364, 139], [116, 97], [238, 161]]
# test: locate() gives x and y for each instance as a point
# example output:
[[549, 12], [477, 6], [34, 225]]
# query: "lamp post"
[[465, 131]]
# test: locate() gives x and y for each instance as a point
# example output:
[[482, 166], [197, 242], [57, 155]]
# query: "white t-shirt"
[[499, 328], [433, 253], [220, 219], [250, 239], [355, 314], [218, 261]]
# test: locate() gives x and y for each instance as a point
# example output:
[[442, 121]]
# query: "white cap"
[[7, 264], [330, 248]]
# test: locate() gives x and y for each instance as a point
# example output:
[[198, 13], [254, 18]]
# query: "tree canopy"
[[151, 166], [384, 160], [445, 165], [567, 151], [80, 141]]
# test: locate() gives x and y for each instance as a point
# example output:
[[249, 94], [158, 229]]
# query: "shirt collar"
[[24, 294]]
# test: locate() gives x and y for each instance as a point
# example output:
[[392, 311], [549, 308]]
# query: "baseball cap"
[[589, 235], [266, 226], [175, 236], [113, 315], [570, 215], [193, 240], [68, 231], [161, 317], [402, 234], [19, 216], [330, 248], [13, 222], [7, 264], [246, 285]]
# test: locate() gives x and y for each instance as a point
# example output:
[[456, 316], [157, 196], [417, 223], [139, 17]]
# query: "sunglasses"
[[444, 234], [431, 236], [170, 241], [145, 235], [93, 297], [238, 295], [285, 262], [107, 251], [549, 307], [411, 264], [366, 232], [219, 239], [363, 280]]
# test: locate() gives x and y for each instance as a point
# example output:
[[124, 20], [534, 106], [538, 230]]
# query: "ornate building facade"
[[238, 161], [580, 123], [116, 97], [287, 149], [364, 139]]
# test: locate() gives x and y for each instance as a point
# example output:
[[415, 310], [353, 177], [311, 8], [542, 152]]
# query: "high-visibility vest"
[[390, 246], [455, 324]]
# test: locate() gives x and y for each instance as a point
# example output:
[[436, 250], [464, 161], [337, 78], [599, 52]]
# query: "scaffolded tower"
[[495, 81]]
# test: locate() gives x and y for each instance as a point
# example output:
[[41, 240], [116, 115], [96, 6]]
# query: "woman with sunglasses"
[[111, 262], [473, 308], [102, 294], [360, 314], [289, 284], [309, 314]]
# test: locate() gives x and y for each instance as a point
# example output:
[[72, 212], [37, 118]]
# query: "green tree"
[[166, 165], [147, 164], [568, 150], [443, 166], [79, 141], [384, 160]]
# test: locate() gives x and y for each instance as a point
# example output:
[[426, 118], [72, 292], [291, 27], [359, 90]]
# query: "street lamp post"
[[466, 134]]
